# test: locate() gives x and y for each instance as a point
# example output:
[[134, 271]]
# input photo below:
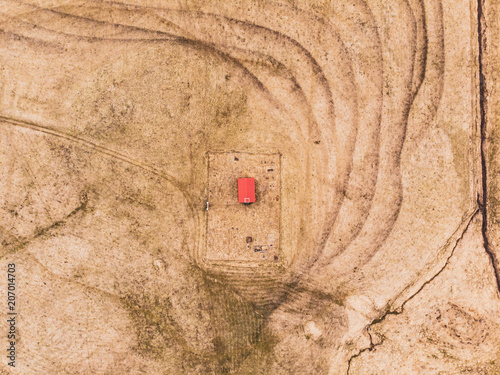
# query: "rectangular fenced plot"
[[238, 231]]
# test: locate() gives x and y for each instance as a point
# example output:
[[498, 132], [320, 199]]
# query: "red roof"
[[246, 190]]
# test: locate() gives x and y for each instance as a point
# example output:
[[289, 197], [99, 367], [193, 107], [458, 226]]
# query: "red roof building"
[[246, 190]]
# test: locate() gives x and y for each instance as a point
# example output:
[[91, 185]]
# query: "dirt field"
[[374, 251]]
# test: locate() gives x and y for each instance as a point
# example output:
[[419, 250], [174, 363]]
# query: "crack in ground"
[[369, 349], [483, 110], [401, 309]]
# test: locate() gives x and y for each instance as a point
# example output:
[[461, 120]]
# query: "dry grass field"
[[376, 249]]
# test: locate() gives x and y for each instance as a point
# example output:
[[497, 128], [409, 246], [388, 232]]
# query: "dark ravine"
[[483, 110], [291, 292]]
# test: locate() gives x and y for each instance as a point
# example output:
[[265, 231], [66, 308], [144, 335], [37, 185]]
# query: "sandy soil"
[[385, 118]]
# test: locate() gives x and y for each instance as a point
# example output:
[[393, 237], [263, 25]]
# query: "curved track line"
[[92, 145], [315, 67], [388, 194], [111, 153], [162, 37], [428, 97], [359, 192], [389, 167], [323, 117]]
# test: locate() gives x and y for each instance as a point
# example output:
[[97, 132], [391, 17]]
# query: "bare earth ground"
[[384, 114]]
